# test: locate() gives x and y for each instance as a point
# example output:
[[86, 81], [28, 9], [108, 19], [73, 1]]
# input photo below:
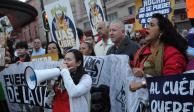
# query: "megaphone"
[[35, 77]]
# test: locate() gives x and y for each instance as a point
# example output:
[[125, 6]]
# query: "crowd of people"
[[157, 50]]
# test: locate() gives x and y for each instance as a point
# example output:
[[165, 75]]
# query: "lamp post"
[[44, 21]]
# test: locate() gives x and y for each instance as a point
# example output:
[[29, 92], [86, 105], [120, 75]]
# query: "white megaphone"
[[35, 77]]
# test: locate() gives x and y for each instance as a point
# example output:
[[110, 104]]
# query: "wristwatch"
[[144, 83]]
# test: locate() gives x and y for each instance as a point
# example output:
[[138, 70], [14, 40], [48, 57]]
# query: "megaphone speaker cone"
[[30, 77]]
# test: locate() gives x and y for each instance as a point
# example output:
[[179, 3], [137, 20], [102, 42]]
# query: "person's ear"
[[78, 63]]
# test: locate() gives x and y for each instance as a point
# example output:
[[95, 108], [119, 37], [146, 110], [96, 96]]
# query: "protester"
[[76, 95], [190, 54], [105, 43], [37, 48], [22, 52], [190, 36], [100, 101], [190, 49], [87, 49], [53, 48], [165, 53], [122, 44], [89, 38]]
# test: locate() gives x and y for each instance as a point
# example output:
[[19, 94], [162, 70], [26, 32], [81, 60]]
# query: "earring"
[[160, 35]]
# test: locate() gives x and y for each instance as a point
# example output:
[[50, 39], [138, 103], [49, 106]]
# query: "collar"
[[109, 42]]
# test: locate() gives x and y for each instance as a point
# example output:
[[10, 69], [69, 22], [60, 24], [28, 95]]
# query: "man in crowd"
[[37, 48], [122, 43], [22, 52], [105, 43]]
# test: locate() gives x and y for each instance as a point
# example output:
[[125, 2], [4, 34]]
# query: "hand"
[[63, 66], [138, 72], [7, 60], [135, 86]]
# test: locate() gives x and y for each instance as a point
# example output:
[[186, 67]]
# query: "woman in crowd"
[[56, 83], [87, 49], [164, 54], [76, 95], [53, 47]]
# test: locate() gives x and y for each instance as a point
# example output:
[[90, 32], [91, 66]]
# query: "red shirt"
[[173, 61], [61, 102]]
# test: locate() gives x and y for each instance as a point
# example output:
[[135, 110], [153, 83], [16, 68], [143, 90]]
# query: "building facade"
[[125, 11], [114, 9]]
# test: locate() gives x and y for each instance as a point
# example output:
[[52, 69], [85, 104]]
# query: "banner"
[[146, 8], [171, 93], [19, 97], [95, 13], [46, 57], [111, 70], [62, 25]]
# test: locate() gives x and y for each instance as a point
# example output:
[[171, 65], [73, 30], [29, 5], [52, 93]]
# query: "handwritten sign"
[[146, 8]]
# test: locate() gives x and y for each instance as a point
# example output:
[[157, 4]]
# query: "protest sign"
[[46, 57], [171, 93], [146, 8], [112, 71], [62, 24], [95, 13]]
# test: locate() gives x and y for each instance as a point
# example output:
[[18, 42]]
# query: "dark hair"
[[88, 33], [100, 96], [80, 33], [90, 46], [169, 34], [58, 48], [21, 44], [80, 70]]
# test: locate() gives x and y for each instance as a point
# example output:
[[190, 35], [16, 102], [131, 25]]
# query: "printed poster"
[[62, 24], [95, 13]]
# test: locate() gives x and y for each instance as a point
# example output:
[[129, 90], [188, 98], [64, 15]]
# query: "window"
[[112, 16], [131, 10]]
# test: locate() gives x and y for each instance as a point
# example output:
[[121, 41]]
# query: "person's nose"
[[65, 62], [110, 32]]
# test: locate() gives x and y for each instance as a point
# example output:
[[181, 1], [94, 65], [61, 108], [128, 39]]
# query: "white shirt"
[[101, 48], [79, 95], [41, 51]]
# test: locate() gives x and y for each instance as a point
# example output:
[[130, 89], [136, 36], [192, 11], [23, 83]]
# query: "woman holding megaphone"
[[76, 95]]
